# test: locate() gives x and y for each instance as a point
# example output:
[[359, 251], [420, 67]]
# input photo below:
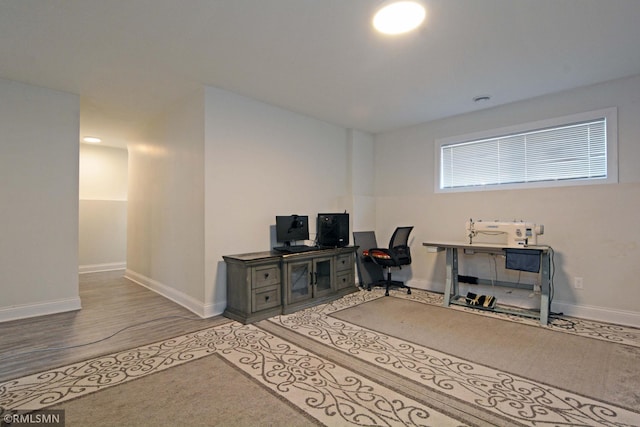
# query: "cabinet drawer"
[[264, 298], [344, 262], [265, 276], [344, 280]]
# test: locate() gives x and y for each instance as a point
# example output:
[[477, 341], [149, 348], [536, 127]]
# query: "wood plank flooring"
[[111, 304]]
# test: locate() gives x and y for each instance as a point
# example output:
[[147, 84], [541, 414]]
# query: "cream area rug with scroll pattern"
[[342, 363]]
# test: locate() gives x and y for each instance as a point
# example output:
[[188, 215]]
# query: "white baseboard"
[[601, 314], [96, 268], [188, 302], [24, 311]]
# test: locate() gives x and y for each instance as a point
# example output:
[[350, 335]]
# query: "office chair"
[[396, 255]]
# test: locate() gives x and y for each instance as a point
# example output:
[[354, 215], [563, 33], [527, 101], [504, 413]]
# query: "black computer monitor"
[[292, 228], [333, 230]]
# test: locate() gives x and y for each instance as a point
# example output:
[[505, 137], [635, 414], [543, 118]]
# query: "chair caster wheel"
[[386, 294], [408, 291], [369, 288]]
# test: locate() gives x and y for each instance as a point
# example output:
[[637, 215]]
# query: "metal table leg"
[[545, 285], [451, 282]]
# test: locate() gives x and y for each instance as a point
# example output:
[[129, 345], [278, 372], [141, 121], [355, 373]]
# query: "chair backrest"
[[368, 272], [400, 237], [399, 244]]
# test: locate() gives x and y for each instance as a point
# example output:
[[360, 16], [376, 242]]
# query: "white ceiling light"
[[399, 17], [92, 140]]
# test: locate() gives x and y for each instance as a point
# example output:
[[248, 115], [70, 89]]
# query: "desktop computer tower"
[[333, 230]]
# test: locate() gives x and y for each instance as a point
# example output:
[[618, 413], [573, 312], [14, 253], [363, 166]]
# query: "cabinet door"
[[322, 276], [299, 280]]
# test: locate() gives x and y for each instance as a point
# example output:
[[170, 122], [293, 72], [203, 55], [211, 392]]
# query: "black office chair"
[[396, 255]]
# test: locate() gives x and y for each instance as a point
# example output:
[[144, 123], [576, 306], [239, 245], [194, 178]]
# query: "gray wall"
[[262, 161], [38, 201], [209, 177], [165, 220]]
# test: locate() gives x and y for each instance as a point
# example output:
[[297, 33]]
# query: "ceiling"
[[130, 59]]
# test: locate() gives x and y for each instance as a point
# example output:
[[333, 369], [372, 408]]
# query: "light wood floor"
[[110, 303]]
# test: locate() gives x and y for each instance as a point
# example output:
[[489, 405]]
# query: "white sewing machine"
[[519, 233]]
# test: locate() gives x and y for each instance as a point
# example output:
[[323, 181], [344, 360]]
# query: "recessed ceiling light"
[[399, 17], [92, 140]]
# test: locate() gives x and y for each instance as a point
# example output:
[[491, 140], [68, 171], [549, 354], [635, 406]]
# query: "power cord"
[[40, 350], [563, 322]]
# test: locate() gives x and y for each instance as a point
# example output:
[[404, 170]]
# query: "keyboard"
[[294, 249]]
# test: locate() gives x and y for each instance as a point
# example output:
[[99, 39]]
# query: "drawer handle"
[[266, 275], [266, 298]]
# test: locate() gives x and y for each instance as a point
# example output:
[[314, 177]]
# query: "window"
[[573, 150]]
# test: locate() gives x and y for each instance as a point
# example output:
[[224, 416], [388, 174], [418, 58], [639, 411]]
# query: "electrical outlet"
[[578, 283]]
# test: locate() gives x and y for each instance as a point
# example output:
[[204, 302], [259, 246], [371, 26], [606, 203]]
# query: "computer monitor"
[[292, 228], [333, 230]]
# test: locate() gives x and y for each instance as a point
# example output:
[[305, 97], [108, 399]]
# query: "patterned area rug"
[[586, 328], [439, 389]]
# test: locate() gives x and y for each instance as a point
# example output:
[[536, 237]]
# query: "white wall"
[[103, 208], [363, 211], [165, 232], [38, 201], [262, 161], [591, 228]]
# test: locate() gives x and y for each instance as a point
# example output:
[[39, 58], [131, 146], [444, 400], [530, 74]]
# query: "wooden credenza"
[[265, 284]]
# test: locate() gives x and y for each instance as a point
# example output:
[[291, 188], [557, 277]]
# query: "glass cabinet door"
[[322, 276], [299, 276]]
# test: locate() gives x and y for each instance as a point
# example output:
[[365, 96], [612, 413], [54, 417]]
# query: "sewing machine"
[[519, 233]]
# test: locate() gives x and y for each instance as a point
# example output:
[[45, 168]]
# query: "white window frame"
[[610, 114]]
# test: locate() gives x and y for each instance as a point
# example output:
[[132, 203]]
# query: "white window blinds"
[[575, 151]]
